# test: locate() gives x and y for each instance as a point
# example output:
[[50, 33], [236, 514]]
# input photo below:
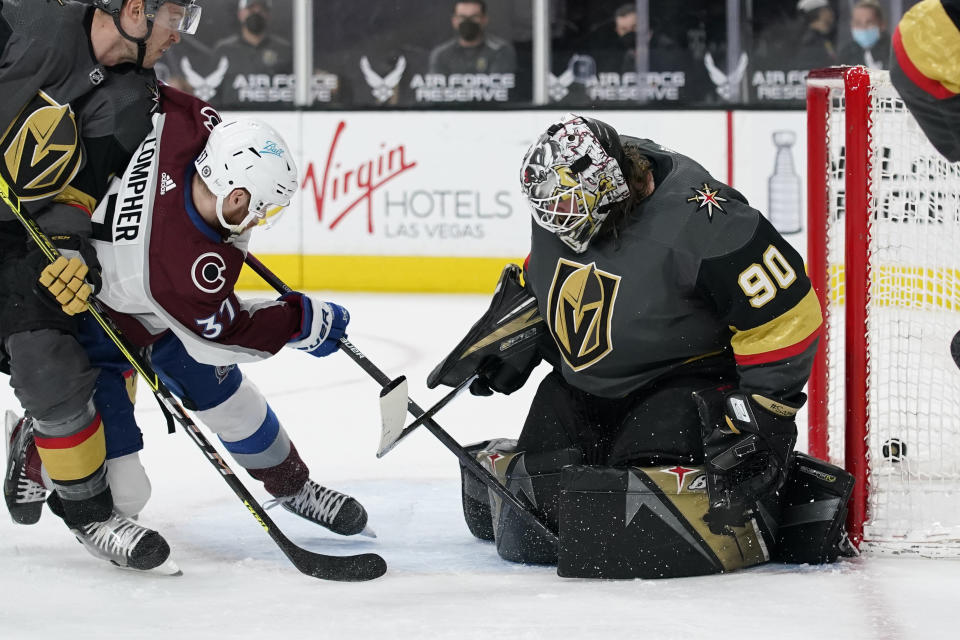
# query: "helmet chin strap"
[[233, 229], [223, 222], [140, 42]]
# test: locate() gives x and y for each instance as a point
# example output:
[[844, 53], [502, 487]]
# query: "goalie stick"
[[392, 416], [468, 461], [366, 566]]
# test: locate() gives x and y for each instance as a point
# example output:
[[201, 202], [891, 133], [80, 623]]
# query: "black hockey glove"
[[748, 440], [73, 277], [502, 347]]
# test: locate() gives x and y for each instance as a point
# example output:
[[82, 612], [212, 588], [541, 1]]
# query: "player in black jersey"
[[78, 94], [926, 79], [681, 328]]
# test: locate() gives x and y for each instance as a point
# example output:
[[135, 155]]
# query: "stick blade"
[[357, 568], [393, 411]]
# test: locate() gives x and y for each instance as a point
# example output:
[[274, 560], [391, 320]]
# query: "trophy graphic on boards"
[[783, 186]]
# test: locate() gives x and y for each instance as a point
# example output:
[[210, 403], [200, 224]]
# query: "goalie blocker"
[[648, 522], [502, 347]]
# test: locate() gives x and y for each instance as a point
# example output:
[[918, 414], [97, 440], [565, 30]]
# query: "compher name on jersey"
[[136, 193]]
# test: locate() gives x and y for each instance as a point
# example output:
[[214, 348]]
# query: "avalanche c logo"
[[207, 272]]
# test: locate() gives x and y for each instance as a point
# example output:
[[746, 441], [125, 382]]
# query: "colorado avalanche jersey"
[[164, 268], [694, 276]]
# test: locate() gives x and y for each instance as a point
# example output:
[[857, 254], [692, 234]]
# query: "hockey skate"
[[128, 545], [331, 509], [24, 496]]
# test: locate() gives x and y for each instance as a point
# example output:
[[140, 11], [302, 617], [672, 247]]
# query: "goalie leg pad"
[[473, 494], [646, 522], [535, 479], [813, 510]]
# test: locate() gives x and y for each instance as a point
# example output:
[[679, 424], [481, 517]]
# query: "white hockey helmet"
[[248, 154]]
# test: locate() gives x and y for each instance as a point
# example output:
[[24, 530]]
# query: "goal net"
[[884, 256]]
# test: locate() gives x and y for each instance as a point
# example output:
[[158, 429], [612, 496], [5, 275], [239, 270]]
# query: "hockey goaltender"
[[681, 328]]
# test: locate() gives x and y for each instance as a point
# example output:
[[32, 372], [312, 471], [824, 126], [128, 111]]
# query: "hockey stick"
[[392, 418], [343, 568], [468, 461]]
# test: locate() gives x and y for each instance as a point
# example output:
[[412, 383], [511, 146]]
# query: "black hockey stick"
[[468, 461], [343, 568]]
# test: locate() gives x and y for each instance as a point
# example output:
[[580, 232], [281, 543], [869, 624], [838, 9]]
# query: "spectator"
[[871, 41], [613, 43], [472, 50], [253, 52], [816, 45]]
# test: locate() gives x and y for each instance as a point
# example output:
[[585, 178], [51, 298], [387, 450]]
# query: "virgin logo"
[[341, 190]]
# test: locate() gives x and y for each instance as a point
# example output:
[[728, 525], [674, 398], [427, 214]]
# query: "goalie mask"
[[572, 176], [248, 154]]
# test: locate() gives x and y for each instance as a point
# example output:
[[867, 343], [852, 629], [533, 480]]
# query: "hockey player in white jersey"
[[171, 237]]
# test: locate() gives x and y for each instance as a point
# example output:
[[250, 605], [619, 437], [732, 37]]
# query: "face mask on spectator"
[[866, 38], [469, 30], [255, 23]]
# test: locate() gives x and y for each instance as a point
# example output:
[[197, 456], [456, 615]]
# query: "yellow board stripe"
[[77, 462], [902, 287], [415, 274], [783, 331], [932, 42]]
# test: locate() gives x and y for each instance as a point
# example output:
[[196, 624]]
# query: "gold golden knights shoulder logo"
[[40, 151], [579, 312]]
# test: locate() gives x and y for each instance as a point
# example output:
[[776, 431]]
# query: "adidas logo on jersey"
[[166, 183]]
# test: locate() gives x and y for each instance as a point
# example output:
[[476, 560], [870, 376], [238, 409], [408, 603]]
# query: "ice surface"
[[442, 583]]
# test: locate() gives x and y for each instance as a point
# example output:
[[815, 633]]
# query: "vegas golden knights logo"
[[579, 312], [39, 151]]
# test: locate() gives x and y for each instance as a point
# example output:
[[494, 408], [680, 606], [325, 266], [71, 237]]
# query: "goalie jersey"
[[164, 268], [694, 278]]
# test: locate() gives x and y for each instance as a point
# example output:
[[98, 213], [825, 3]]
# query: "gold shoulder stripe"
[[932, 42], [73, 196], [783, 331]]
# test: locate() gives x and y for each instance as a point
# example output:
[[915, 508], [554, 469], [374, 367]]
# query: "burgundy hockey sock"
[[286, 478]]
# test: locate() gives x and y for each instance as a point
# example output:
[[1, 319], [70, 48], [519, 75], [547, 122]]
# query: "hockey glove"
[[748, 440], [502, 347], [73, 277], [322, 324]]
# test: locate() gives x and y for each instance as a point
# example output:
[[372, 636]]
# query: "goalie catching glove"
[[502, 348], [748, 440], [322, 324], [73, 277]]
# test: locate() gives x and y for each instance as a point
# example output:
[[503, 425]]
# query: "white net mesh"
[[913, 432]]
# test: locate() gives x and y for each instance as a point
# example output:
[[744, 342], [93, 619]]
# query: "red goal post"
[[883, 253]]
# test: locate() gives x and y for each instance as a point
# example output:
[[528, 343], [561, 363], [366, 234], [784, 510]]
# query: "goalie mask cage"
[[883, 241]]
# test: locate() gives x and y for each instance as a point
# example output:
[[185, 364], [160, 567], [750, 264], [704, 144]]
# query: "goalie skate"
[[127, 544], [331, 509], [23, 496]]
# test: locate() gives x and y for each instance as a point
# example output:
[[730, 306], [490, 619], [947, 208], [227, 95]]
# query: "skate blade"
[[168, 568], [367, 531], [10, 420]]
